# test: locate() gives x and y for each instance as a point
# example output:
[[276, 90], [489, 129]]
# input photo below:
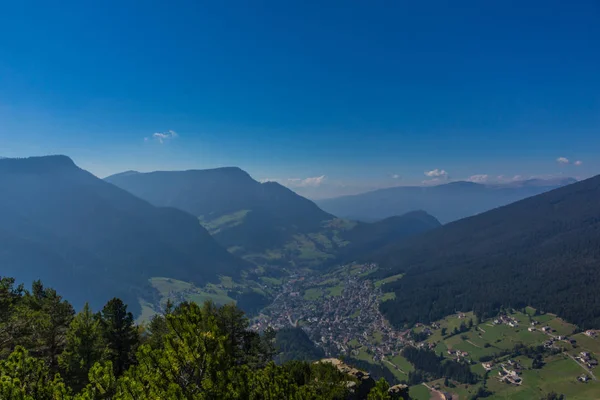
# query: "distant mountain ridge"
[[542, 251], [215, 192], [266, 223], [238, 210], [90, 239], [447, 202]]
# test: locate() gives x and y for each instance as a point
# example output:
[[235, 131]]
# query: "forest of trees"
[[192, 352], [249, 301], [293, 344], [430, 365]]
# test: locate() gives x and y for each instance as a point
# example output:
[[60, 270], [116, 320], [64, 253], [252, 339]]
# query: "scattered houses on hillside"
[[587, 359], [507, 320]]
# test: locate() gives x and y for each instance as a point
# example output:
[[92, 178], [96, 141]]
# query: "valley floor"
[[340, 313], [521, 354]]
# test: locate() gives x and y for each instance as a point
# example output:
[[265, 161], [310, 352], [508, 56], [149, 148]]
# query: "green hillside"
[[541, 369]]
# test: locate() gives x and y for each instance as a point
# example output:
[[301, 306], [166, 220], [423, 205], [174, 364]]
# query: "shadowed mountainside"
[[91, 240], [543, 251]]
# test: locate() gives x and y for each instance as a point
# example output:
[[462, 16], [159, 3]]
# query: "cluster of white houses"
[[508, 320]]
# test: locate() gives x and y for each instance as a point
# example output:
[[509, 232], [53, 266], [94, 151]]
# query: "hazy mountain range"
[[266, 223], [91, 239], [447, 202]]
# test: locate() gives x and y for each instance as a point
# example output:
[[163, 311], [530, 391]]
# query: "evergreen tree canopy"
[[192, 352]]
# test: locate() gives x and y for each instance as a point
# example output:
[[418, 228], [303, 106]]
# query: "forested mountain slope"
[[92, 240], [543, 251], [448, 202], [368, 237]]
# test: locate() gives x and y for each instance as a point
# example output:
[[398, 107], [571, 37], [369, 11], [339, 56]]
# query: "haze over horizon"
[[325, 100]]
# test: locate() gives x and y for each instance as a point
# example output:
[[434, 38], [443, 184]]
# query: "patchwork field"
[[559, 373], [389, 279], [183, 291], [224, 222], [178, 291]]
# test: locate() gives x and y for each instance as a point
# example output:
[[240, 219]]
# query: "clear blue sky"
[[355, 91]]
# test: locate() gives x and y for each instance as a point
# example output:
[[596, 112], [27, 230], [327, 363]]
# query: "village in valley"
[[519, 352], [339, 311]]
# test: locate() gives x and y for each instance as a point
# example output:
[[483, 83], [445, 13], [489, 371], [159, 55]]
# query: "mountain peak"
[[44, 164], [228, 172], [462, 184]]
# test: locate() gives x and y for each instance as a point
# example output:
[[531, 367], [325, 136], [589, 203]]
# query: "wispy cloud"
[[508, 179], [311, 182], [396, 176], [565, 161], [479, 178], [162, 137], [436, 173]]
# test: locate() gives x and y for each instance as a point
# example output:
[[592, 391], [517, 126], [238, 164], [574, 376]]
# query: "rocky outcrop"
[[362, 383], [399, 392]]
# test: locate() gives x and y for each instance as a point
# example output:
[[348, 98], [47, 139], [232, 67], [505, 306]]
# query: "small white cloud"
[[578, 163], [436, 173], [162, 137], [312, 182], [396, 176], [479, 178], [562, 160]]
